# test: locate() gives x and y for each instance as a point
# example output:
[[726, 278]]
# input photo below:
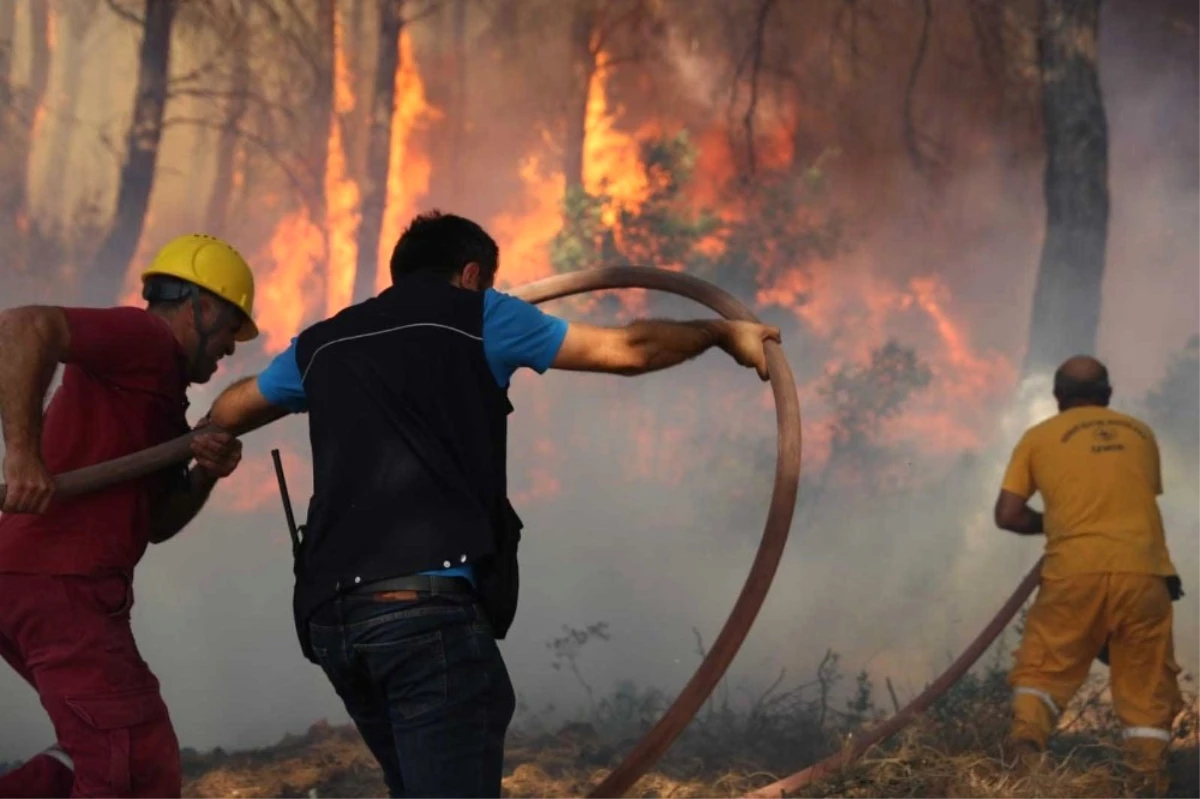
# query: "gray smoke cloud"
[[896, 582]]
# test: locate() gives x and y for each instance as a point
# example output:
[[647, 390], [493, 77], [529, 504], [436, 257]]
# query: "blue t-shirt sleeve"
[[517, 333], [280, 382]]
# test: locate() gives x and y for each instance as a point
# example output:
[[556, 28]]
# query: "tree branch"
[[123, 14], [230, 94], [910, 133], [269, 148], [760, 33]]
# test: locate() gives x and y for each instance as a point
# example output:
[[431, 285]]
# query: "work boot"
[[1145, 762], [1021, 756], [1147, 783]]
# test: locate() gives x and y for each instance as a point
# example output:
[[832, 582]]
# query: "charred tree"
[[379, 147], [506, 29], [107, 269], [229, 138], [39, 62], [582, 68], [8, 20], [77, 17], [446, 88], [356, 122], [322, 108], [20, 109], [1066, 300], [458, 102]]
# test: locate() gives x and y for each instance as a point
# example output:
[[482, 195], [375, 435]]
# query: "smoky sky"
[[897, 582]]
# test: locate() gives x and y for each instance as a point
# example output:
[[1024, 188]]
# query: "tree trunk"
[[379, 147], [39, 65], [9, 156], [228, 142], [21, 110], [458, 103], [583, 67], [108, 267], [77, 16], [324, 114], [356, 122], [1066, 300], [506, 28], [8, 25]]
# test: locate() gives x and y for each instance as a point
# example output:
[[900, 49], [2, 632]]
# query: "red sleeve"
[[118, 341]]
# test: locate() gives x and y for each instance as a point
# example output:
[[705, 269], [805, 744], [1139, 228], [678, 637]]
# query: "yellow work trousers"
[[1069, 622]]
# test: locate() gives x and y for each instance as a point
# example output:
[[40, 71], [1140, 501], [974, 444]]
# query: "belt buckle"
[[395, 596]]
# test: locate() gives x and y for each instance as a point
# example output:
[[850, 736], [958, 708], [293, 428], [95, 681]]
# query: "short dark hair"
[[443, 244], [1070, 390]]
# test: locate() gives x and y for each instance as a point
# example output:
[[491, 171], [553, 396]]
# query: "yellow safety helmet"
[[213, 265]]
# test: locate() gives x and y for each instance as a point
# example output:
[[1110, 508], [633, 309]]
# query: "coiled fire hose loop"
[[770, 550], [920, 704]]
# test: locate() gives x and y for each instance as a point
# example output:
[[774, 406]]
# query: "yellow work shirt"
[[1098, 473]]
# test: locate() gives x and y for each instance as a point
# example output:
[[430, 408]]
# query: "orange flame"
[[611, 166], [611, 158], [342, 198], [408, 169], [288, 293], [525, 235]]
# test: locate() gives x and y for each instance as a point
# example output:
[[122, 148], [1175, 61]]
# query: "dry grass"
[[331, 763], [915, 768], [952, 754]]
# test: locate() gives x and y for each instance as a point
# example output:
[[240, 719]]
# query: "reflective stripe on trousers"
[[1044, 696], [1146, 732], [1069, 622]]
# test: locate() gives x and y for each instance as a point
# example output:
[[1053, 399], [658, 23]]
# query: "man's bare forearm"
[[241, 408], [176, 510], [33, 340], [1028, 522], [666, 344]]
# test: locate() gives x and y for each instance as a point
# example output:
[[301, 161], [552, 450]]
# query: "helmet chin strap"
[[177, 290], [204, 332]]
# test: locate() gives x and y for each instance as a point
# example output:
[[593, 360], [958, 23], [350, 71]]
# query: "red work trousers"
[[70, 638]]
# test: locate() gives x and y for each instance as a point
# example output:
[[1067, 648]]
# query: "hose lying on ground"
[[779, 517], [909, 712]]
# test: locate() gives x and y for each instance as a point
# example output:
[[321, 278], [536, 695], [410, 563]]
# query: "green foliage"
[[778, 230], [583, 242], [863, 398], [661, 231], [784, 227]]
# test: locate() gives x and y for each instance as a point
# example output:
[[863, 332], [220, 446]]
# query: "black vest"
[[408, 430]]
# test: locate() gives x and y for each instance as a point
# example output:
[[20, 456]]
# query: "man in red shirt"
[[66, 566]]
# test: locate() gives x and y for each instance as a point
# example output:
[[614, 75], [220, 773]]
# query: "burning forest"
[[884, 182]]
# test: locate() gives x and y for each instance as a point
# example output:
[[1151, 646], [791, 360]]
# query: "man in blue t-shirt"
[[400, 405]]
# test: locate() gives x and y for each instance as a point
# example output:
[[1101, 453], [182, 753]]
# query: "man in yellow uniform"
[[1107, 579]]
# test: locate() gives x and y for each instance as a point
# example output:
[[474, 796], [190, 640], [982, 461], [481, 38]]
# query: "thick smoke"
[[895, 583]]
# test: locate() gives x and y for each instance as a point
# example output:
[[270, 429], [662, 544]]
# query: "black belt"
[[422, 583]]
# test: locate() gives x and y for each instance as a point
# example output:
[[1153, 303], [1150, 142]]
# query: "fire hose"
[[779, 517], [905, 715]]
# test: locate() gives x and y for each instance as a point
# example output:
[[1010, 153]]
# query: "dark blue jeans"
[[426, 686]]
